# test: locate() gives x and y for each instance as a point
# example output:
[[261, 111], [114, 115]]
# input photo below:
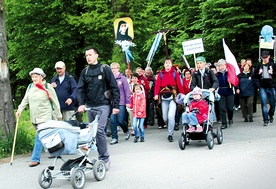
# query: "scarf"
[[42, 88]]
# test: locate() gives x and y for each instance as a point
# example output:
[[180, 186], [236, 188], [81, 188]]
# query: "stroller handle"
[[98, 110]]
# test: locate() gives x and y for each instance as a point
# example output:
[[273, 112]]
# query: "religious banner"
[[124, 35]]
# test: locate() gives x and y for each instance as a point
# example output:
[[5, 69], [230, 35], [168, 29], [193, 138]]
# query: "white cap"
[[60, 64], [38, 71]]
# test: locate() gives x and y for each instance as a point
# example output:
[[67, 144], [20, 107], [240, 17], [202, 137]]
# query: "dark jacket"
[[92, 85], [265, 82], [66, 89], [247, 84], [209, 80], [225, 88]]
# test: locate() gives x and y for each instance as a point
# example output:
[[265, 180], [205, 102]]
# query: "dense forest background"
[[42, 32]]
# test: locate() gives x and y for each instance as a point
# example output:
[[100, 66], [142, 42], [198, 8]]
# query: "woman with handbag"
[[167, 86], [42, 100]]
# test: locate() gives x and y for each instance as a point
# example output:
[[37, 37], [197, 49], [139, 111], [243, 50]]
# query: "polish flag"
[[231, 64]]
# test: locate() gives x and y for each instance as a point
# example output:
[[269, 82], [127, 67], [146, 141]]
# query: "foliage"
[[24, 139], [52, 30]]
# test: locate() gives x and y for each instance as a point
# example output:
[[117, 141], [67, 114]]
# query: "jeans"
[[119, 118], [168, 112], [189, 118], [138, 123], [101, 134], [37, 149], [267, 94]]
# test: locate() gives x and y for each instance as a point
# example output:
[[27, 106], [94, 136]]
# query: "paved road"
[[246, 159]]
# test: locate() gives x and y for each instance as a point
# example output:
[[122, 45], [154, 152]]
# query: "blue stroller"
[[208, 130], [61, 138]]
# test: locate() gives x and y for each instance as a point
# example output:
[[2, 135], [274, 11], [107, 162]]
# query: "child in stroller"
[[197, 112], [62, 138]]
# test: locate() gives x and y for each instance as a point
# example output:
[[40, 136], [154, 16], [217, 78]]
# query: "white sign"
[[193, 46]]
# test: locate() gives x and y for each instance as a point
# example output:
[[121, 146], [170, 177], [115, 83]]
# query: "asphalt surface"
[[245, 159]]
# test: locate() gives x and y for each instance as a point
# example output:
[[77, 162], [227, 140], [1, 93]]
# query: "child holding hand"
[[197, 113]]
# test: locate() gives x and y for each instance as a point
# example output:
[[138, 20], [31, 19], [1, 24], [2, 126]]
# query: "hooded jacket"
[[138, 105], [202, 107]]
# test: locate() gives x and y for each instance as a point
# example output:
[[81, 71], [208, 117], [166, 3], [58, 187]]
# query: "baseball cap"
[[200, 59], [265, 54], [38, 71], [60, 64]]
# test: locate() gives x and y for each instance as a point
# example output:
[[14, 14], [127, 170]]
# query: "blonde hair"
[[115, 64]]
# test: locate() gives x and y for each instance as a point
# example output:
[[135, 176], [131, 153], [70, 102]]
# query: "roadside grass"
[[24, 139]]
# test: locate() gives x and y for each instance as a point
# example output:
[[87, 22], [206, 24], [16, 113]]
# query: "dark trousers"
[[150, 112], [226, 104], [247, 106]]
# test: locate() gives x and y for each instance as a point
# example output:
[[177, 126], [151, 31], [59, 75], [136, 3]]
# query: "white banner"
[[193, 46]]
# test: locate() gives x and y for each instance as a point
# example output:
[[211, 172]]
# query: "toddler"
[[197, 113]]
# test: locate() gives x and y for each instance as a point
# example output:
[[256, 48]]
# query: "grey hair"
[[221, 61], [148, 68]]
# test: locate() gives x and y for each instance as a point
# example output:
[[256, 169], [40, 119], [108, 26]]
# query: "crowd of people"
[[135, 100]]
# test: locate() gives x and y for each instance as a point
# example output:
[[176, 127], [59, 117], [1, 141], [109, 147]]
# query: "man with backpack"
[[97, 87], [66, 90]]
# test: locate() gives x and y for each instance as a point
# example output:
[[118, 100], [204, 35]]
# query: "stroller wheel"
[[45, 178], [99, 170], [210, 140], [182, 141], [219, 135], [78, 178]]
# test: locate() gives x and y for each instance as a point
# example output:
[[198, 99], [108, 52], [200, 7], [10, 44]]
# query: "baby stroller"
[[62, 138], [208, 130]]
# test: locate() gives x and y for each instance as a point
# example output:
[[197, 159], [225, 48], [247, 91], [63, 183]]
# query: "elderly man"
[[66, 89]]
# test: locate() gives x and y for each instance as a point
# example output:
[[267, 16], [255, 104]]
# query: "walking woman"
[[42, 100], [167, 86]]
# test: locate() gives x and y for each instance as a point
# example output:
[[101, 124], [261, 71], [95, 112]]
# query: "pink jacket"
[[138, 105]]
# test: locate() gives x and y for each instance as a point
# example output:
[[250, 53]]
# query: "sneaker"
[[223, 126], [170, 138], [107, 165], [266, 123], [113, 141], [159, 127], [176, 127], [127, 135], [136, 139], [199, 129], [245, 120], [271, 119], [142, 139], [191, 129]]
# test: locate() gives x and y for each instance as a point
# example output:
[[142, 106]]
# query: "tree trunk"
[[7, 118]]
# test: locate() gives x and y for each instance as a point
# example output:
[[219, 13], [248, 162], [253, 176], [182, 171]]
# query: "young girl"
[[138, 105], [198, 111]]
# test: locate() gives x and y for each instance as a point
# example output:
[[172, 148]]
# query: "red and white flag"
[[231, 64]]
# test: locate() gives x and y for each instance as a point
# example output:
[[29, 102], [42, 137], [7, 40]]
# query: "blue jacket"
[[247, 84], [224, 85], [66, 89]]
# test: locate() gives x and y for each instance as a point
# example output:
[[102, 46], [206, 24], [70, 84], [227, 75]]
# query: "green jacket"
[[41, 108]]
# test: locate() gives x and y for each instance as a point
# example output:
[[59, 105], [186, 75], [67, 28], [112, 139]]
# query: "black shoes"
[[271, 119], [136, 139], [231, 122], [223, 126], [176, 127], [266, 123], [170, 138], [245, 120], [142, 139]]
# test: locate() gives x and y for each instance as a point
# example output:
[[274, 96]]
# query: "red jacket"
[[144, 81], [138, 105], [186, 86], [168, 80], [202, 107]]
